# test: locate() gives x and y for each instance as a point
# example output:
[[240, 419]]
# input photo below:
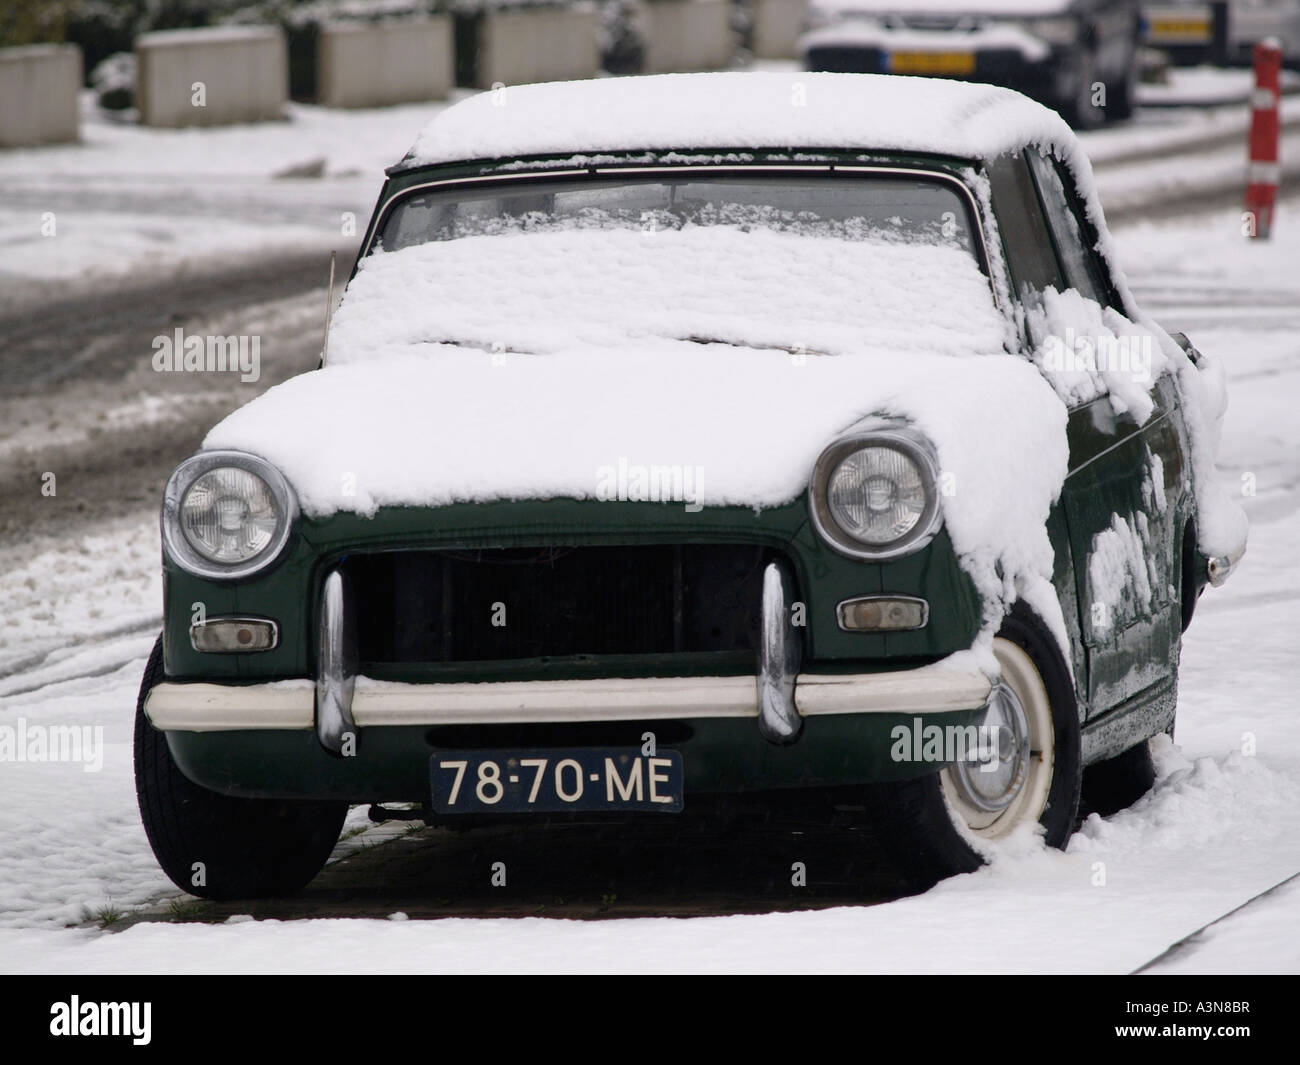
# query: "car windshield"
[[796, 262], [859, 208]]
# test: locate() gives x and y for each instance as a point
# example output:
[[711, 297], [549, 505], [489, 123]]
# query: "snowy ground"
[[128, 199], [1221, 827]]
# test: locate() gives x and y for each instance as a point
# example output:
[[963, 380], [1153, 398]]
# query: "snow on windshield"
[[917, 209], [677, 263]]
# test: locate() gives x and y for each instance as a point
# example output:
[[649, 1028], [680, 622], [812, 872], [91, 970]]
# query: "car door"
[[1122, 496], [1033, 267]]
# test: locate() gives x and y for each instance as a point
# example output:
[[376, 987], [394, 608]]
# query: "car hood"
[[708, 424]]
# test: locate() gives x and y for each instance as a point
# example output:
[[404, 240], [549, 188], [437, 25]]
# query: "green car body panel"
[[1123, 658]]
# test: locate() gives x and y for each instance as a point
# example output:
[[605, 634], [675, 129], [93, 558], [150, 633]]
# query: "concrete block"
[[376, 64], [239, 73], [38, 94]]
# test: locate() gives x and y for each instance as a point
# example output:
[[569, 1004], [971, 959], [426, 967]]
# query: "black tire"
[[915, 817], [244, 848], [1117, 783]]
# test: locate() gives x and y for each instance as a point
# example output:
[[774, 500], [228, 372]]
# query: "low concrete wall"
[[244, 71], [687, 35], [376, 64], [518, 47], [38, 94], [777, 26]]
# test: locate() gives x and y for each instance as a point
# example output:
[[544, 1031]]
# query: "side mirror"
[[1188, 347]]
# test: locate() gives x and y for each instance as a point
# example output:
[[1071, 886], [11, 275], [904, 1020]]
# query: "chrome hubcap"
[[991, 776]]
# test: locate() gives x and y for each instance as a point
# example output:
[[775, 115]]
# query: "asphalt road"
[[73, 372]]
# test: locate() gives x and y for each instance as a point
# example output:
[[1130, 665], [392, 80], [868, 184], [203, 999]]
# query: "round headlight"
[[874, 495], [227, 514]]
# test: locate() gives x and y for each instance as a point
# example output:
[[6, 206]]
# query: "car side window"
[[1082, 270], [1024, 232]]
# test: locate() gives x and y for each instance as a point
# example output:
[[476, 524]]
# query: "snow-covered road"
[[1222, 827]]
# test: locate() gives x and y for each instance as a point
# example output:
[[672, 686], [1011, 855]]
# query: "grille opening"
[[504, 604]]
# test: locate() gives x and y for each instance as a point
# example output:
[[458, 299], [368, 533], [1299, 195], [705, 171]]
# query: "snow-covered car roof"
[[741, 111]]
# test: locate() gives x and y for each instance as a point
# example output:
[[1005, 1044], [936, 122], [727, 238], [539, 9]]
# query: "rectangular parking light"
[[234, 635], [883, 613]]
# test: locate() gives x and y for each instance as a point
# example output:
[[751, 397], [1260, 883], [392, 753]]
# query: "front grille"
[[502, 604]]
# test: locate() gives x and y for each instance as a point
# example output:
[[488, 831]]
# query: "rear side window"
[[1025, 237], [1082, 270]]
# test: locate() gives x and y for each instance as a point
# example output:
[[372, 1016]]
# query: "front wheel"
[[934, 825], [217, 846]]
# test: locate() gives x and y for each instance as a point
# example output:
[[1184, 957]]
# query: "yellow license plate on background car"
[[1180, 30], [931, 62]]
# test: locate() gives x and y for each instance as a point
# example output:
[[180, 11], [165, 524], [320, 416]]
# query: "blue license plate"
[[549, 780]]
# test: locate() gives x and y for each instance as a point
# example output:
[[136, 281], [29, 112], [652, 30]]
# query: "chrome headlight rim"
[[178, 547], [912, 445]]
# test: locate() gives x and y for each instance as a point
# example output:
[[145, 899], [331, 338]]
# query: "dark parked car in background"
[[1188, 31], [1077, 56]]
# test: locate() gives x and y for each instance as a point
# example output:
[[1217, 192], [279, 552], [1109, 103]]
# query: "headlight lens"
[[877, 495], [874, 495], [227, 514]]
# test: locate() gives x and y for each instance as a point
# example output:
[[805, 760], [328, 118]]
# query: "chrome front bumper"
[[340, 704], [937, 688]]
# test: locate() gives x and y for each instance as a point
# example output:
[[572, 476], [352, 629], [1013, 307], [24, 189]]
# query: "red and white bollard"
[[1264, 169]]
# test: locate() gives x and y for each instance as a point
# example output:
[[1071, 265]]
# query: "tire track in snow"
[[90, 659], [1191, 942]]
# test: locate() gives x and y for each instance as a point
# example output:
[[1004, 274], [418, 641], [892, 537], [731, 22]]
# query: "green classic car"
[[686, 436]]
